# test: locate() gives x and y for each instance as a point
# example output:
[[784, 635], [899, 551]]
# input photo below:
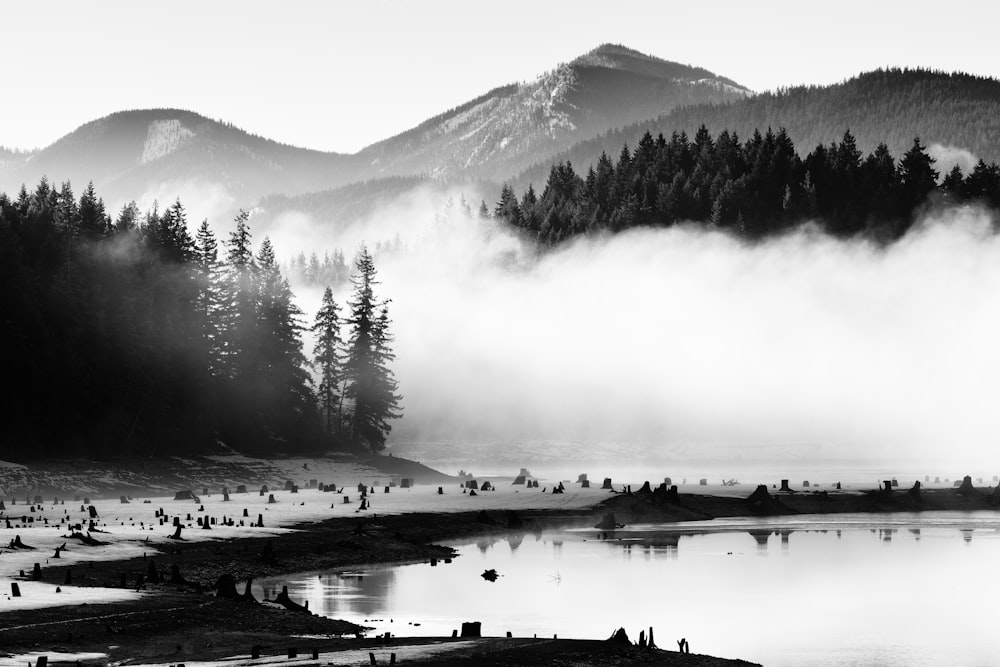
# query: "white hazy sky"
[[338, 75]]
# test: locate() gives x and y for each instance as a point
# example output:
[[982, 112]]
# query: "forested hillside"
[[754, 187], [884, 106], [129, 336]]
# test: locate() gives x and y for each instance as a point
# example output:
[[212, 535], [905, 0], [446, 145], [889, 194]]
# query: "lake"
[[871, 589]]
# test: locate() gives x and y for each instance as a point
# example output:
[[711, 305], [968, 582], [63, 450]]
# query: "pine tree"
[[238, 300], [128, 218], [93, 220], [917, 175], [327, 358], [370, 384], [280, 364], [207, 272]]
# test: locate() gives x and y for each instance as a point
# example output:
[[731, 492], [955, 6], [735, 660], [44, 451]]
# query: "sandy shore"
[[156, 600]]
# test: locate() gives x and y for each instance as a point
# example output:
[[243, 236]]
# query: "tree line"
[[755, 188], [131, 336]]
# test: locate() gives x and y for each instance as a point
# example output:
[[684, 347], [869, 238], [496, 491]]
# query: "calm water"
[[911, 589]]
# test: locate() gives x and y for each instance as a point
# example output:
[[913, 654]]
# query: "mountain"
[[160, 153], [509, 128], [164, 153], [954, 113]]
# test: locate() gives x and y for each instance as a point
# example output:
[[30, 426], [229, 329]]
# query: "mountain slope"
[[158, 151], [511, 127], [891, 106]]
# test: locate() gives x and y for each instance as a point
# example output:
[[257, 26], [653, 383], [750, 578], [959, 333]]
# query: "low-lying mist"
[[684, 344]]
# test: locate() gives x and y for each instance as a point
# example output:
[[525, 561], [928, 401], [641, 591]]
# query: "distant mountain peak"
[[619, 57], [610, 55]]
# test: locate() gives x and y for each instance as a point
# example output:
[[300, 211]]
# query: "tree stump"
[[472, 629], [225, 587], [619, 636], [607, 484], [966, 488]]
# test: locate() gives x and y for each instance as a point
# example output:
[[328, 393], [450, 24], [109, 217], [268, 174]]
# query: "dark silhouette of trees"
[[754, 188], [133, 338], [371, 386], [326, 355]]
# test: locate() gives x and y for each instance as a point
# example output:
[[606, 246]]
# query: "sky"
[[339, 75]]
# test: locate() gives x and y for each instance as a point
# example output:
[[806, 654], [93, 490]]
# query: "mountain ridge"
[[891, 105]]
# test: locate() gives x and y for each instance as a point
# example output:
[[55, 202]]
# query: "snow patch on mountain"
[[162, 138], [721, 85]]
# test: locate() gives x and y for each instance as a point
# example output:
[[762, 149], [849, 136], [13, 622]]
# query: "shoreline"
[[187, 617]]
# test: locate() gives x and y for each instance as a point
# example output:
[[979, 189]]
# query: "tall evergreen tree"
[[917, 175], [93, 220], [281, 378], [238, 302], [207, 270], [327, 358], [370, 384]]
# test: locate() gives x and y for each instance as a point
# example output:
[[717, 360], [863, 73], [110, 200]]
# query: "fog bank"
[[685, 344]]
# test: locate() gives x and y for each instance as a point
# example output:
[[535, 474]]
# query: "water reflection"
[[794, 606], [484, 543], [761, 537]]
